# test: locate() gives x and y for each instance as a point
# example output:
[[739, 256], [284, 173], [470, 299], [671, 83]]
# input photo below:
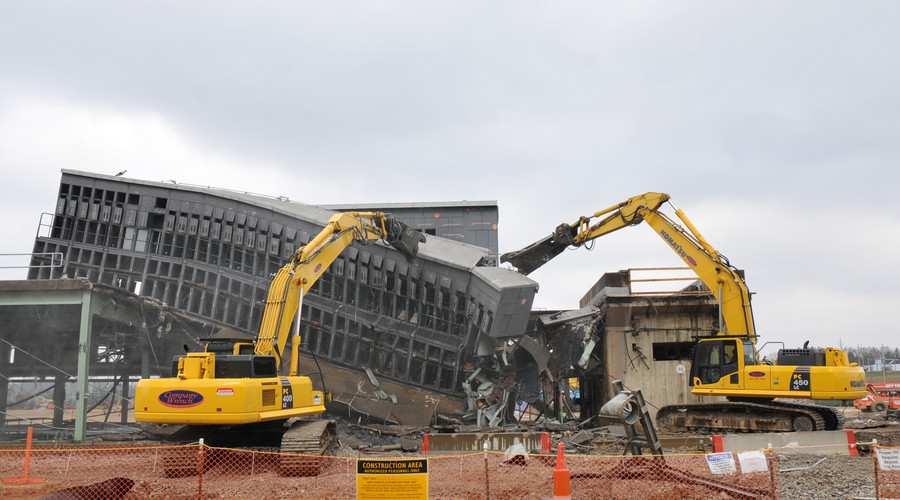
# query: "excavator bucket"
[[535, 255], [403, 238]]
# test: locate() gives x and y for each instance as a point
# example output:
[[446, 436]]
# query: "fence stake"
[[561, 475], [200, 470], [25, 479], [487, 484], [875, 464], [773, 466], [68, 463]]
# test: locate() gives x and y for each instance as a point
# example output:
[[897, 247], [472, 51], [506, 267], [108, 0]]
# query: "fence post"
[[487, 483], [773, 467], [25, 479], [561, 475], [875, 464], [200, 470]]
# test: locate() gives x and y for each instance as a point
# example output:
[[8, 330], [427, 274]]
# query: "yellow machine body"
[[727, 367], [226, 401]]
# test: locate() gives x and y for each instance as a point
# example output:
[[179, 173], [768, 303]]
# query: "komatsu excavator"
[[724, 364], [233, 390]]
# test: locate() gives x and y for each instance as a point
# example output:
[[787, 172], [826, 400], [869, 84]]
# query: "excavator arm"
[[709, 265], [309, 262], [583, 230]]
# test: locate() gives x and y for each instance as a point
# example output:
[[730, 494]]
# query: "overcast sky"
[[773, 125]]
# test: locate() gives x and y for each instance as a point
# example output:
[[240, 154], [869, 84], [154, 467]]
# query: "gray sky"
[[773, 125]]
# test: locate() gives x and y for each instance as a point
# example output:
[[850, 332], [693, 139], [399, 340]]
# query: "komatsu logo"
[[857, 383], [180, 398], [678, 248]]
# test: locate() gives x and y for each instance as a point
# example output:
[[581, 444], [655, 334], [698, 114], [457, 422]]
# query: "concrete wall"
[[647, 343]]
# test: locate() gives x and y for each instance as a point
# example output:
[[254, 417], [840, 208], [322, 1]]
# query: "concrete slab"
[[842, 442]]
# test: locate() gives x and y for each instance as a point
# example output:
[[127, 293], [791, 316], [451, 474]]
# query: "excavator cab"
[[717, 358]]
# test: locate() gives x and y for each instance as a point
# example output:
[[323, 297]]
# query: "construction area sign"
[[392, 479]]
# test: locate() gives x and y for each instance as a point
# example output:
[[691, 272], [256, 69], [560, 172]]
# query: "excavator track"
[[302, 447], [732, 416]]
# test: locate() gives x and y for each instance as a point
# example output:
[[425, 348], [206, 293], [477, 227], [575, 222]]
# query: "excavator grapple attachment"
[[403, 238], [535, 255]]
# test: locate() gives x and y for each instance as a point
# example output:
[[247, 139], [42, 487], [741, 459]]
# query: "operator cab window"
[[715, 359], [749, 353]]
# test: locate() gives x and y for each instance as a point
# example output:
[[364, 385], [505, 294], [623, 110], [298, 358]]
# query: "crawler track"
[[730, 416], [302, 446]]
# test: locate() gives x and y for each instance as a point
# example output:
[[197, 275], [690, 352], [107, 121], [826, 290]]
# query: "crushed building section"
[[422, 326]]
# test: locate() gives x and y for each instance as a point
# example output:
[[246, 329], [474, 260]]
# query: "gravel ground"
[[839, 476], [835, 477]]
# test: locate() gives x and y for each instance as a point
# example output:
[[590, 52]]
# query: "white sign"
[[888, 459], [753, 461], [721, 463]]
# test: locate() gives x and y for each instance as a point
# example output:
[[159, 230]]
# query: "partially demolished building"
[[391, 339], [406, 342]]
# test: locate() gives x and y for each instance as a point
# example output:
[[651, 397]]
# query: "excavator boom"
[[583, 230], [309, 262]]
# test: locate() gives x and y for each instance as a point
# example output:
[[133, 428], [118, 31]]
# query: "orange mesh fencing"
[[196, 471], [674, 476], [887, 472], [174, 472], [490, 475]]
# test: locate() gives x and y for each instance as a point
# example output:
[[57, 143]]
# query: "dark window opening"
[[672, 351]]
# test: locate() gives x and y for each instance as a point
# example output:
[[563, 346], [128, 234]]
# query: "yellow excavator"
[[233, 392], [724, 364]]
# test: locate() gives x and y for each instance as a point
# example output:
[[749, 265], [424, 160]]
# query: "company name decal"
[[180, 398], [757, 374], [678, 248]]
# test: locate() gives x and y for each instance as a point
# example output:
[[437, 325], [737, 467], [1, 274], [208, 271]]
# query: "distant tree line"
[[873, 355], [864, 356]]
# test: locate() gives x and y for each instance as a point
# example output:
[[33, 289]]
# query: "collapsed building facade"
[[447, 336], [388, 338]]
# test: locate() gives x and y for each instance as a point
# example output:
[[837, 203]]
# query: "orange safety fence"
[[887, 472], [175, 472], [197, 471], [720, 475]]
